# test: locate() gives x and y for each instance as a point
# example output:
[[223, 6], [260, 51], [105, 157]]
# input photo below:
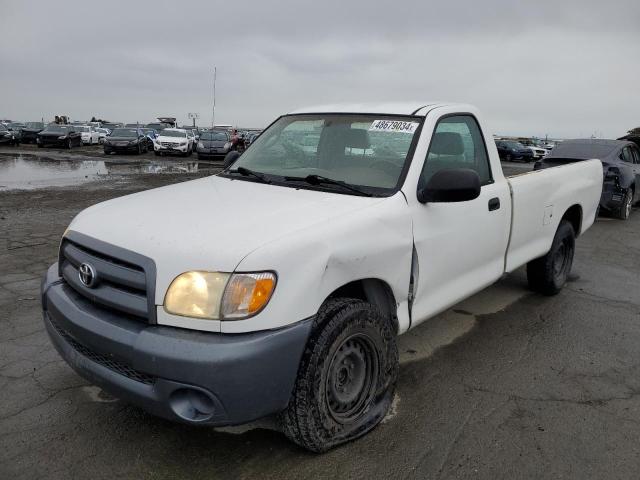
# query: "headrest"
[[356, 138], [447, 143]]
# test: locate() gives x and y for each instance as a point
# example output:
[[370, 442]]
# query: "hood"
[[122, 139], [162, 138], [210, 223]]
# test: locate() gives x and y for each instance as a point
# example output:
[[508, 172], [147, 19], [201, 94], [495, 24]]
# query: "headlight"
[[62, 137], [219, 296]]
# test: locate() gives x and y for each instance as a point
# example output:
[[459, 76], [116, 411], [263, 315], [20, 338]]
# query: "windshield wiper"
[[250, 173], [320, 180]]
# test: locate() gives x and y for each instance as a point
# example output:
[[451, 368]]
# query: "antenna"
[[213, 111]]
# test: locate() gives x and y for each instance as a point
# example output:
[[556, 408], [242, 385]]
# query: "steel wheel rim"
[[351, 379], [561, 259]]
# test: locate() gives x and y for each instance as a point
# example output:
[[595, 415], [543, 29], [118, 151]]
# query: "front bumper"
[[174, 148], [211, 152], [121, 148], [187, 376], [53, 141]]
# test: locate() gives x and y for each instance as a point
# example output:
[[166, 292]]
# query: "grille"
[[118, 284], [104, 360], [169, 144]]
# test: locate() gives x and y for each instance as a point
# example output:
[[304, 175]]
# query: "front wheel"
[[548, 274], [347, 376]]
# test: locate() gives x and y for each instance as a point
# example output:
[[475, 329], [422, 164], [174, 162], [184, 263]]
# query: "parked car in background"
[[7, 137], [157, 126], [620, 164], [88, 134], [59, 136], [510, 150], [16, 129], [112, 126], [30, 132], [538, 152], [103, 134], [151, 134], [127, 140], [174, 140], [213, 144]]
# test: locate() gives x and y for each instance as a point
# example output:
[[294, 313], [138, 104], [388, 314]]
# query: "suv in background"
[[174, 140]]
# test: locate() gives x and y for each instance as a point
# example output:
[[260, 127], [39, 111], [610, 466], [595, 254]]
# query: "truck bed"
[[539, 200]]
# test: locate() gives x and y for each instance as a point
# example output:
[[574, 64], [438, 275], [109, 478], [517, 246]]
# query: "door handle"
[[494, 204]]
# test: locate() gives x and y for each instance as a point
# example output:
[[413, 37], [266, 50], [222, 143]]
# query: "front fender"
[[375, 242]]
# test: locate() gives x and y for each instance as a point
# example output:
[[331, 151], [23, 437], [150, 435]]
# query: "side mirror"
[[230, 158], [451, 185]]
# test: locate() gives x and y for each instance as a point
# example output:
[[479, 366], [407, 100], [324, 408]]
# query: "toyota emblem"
[[87, 275]]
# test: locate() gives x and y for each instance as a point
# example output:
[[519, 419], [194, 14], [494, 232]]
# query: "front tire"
[[347, 376], [548, 274]]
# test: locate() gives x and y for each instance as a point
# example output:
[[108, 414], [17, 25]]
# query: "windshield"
[[58, 129], [83, 129], [35, 125], [214, 136], [125, 132], [172, 133], [3, 128], [360, 150]]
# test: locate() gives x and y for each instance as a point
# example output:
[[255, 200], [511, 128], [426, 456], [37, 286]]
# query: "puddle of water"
[[27, 173], [422, 341]]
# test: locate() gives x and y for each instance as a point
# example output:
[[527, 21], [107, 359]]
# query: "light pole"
[[213, 110]]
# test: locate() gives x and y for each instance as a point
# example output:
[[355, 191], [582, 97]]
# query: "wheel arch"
[[372, 290], [574, 216]]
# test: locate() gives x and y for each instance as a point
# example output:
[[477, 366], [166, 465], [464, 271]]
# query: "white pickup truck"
[[279, 286]]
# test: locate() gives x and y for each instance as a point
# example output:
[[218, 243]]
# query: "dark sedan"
[[30, 132], [59, 136], [7, 137], [510, 150], [620, 164], [213, 144], [127, 140]]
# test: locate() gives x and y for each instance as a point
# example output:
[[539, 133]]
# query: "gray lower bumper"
[[182, 375]]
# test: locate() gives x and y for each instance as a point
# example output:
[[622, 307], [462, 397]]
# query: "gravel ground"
[[507, 384]]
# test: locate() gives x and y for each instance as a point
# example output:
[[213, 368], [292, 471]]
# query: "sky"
[[560, 68]]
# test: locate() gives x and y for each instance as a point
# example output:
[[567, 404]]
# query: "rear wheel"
[[548, 274], [624, 211], [347, 376]]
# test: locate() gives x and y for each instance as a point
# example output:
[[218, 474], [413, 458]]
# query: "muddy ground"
[[507, 384]]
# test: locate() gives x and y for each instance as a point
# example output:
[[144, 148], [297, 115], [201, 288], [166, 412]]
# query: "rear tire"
[[347, 376], [624, 211], [548, 274]]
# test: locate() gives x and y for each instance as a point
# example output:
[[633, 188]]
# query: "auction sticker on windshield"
[[393, 126]]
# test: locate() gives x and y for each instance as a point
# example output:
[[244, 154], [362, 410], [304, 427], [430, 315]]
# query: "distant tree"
[[634, 131], [93, 119]]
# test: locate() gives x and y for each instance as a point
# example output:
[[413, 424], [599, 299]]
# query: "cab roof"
[[389, 108]]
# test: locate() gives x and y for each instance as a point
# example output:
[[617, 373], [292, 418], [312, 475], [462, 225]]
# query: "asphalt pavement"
[[508, 384]]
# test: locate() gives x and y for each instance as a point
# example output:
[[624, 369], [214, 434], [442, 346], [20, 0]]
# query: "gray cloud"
[[540, 67]]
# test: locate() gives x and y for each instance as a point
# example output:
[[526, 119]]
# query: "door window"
[[457, 143], [636, 155]]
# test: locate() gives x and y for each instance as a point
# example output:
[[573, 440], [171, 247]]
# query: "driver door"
[[459, 247]]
